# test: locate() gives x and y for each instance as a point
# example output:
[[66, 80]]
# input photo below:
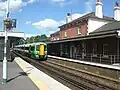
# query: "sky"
[[37, 17]]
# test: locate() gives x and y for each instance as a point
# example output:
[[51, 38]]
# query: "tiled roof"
[[57, 32], [113, 26], [89, 15]]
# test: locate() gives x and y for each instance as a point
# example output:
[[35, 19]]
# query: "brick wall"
[[73, 31], [55, 36]]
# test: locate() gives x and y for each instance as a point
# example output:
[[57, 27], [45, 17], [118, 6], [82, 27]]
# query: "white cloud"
[[62, 2], [47, 24], [28, 22], [15, 4], [32, 1], [2, 13], [20, 10], [89, 5], [30, 35], [58, 0], [76, 15]]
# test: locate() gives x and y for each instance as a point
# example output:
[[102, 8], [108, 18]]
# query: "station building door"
[[73, 51]]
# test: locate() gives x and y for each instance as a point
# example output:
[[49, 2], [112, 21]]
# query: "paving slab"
[[17, 78], [42, 80]]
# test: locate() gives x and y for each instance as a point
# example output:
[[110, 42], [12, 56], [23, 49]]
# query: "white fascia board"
[[118, 32], [13, 34]]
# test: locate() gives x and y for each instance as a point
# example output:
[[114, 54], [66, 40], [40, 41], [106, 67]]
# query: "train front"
[[43, 52]]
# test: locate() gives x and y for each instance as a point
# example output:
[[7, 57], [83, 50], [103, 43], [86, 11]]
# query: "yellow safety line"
[[37, 82]]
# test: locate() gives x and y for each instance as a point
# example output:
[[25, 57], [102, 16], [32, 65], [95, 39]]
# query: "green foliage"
[[37, 38]]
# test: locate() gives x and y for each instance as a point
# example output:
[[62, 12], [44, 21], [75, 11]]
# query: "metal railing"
[[90, 57], [99, 58]]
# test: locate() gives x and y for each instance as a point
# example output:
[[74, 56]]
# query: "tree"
[[37, 38], [43, 36]]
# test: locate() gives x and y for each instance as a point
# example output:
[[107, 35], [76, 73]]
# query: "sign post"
[[5, 61], [6, 25]]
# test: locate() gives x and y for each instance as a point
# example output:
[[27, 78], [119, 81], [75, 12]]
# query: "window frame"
[[65, 34], [78, 30], [105, 50], [37, 47], [94, 49]]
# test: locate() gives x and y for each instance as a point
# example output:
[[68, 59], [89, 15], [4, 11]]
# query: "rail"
[[69, 75]]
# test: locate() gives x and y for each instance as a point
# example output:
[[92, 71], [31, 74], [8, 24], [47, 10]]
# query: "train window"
[[22, 47], [32, 48], [45, 47], [29, 47], [37, 47], [26, 48]]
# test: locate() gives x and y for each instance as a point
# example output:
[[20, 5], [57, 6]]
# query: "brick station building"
[[90, 36]]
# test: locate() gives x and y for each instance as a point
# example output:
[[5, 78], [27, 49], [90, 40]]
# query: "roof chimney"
[[99, 12], [117, 12], [68, 18]]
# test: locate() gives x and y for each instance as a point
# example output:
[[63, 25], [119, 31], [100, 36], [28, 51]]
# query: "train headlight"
[[45, 52]]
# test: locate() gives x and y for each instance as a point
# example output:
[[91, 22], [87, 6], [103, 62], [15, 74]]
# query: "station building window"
[[105, 49], [78, 30], [84, 49], [94, 49], [65, 34], [57, 38]]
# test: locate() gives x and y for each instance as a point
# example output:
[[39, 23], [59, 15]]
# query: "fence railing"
[[99, 58], [90, 57]]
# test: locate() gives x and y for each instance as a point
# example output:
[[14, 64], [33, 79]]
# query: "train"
[[36, 51]]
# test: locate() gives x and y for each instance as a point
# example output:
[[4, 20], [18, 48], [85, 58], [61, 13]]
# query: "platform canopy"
[[13, 34]]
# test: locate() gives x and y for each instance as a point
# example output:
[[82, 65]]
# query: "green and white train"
[[33, 50]]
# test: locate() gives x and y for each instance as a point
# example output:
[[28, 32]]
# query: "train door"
[[32, 50], [37, 49], [41, 49]]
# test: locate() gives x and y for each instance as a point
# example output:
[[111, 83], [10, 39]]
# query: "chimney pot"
[[117, 12], [99, 12], [68, 14], [68, 18], [98, 0], [117, 5]]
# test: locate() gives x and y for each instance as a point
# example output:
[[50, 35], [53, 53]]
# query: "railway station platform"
[[23, 76]]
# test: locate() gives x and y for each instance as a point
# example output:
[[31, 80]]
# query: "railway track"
[[66, 75]]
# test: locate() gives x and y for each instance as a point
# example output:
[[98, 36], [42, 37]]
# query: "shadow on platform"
[[20, 74]]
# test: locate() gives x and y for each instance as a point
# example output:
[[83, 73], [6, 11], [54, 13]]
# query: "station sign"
[[9, 24]]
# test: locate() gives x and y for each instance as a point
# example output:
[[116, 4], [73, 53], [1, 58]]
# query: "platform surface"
[[24, 76], [41, 80], [17, 79]]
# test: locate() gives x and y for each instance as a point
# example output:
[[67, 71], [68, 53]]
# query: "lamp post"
[[33, 39], [5, 71]]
